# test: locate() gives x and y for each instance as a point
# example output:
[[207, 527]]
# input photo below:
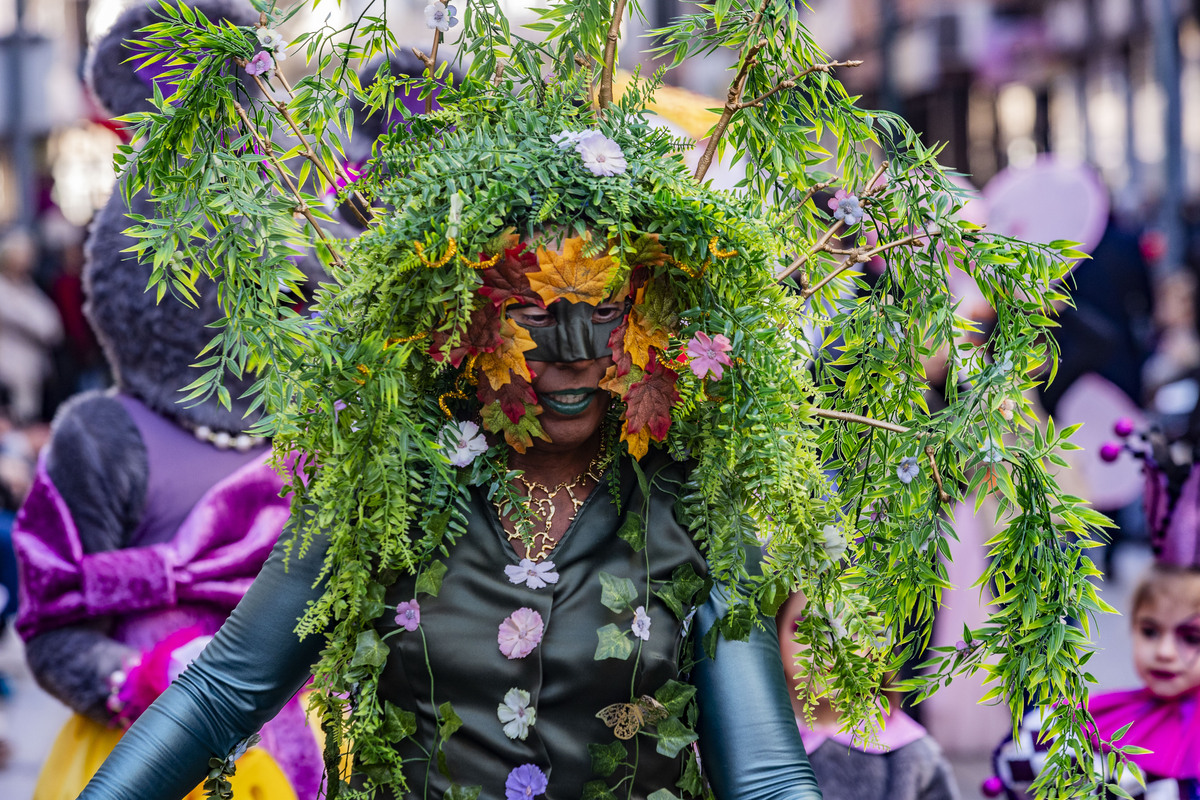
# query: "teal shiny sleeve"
[[750, 747], [250, 669]]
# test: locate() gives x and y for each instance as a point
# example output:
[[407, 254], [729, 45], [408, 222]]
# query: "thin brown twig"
[[273, 159], [846, 416], [831, 231], [357, 202], [861, 255], [930, 452], [605, 96], [790, 83], [747, 58]]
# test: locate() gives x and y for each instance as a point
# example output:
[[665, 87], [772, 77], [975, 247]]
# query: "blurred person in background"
[[29, 327]]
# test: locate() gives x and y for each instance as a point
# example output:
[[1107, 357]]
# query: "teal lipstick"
[[568, 402]]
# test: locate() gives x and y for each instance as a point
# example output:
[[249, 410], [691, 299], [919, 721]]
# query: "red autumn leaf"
[[616, 342], [648, 402], [509, 278], [482, 335], [513, 397]]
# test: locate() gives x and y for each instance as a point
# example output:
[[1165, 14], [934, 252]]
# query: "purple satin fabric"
[[208, 565], [151, 74], [1169, 728], [1174, 531]]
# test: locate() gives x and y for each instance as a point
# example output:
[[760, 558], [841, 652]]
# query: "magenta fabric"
[[899, 729], [1174, 530], [1168, 728], [208, 565]]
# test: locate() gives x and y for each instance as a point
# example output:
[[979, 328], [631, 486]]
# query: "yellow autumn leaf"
[[641, 335], [639, 443], [509, 358], [571, 275]]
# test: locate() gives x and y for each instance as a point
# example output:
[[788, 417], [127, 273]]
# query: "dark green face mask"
[[573, 337]]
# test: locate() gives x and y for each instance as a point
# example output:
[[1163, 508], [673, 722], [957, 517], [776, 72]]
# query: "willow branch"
[[357, 203], [872, 188], [605, 96], [930, 452], [301, 206], [861, 255], [846, 416], [790, 83], [747, 58]]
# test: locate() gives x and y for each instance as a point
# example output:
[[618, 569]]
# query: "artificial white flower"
[[833, 541], [601, 155], [463, 441], [641, 623], [991, 450], [440, 17], [456, 207], [566, 138], [272, 40], [516, 714], [908, 469], [535, 575]]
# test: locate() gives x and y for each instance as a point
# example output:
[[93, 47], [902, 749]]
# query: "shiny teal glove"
[[253, 666], [750, 747]]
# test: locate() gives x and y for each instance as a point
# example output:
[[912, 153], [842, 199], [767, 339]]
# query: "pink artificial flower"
[[261, 64], [408, 615], [520, 633], [709, 355]]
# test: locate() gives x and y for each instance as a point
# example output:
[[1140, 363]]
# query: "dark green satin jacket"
[[749, 744]]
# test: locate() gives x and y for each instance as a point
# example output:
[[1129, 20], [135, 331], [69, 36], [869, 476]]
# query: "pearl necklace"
[[224, 440]]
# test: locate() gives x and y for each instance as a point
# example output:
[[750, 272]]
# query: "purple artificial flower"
[[601, 155], [846, 208], [463, 442], [408, 615], [440, 16], [524, 782], [520, 633], [641, 623], [261, 64], [534, 575], [908, 469], [709, 356]]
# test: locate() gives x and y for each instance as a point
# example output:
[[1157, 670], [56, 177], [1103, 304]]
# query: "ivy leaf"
[[456, 792], [597, 790], [508, 358], [679, 592], [675, 696], [617, 594], [369, 650], [572, 276], [482, 335], [691, 783], [612, 643], [430, 579], [509, 278], [649, 401], [397, 722], [633, 531], [673, 736], [607, 757], [373, 604], [662, 794], [450, 721]]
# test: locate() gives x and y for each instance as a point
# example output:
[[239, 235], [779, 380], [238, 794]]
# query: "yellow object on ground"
[[687, 109], [82, 745]]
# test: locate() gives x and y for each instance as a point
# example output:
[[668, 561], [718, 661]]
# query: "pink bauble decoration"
[[1110, 452], [992, 787], [1123, 427]]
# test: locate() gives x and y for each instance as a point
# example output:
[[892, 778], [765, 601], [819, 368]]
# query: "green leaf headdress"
[[756, 345]]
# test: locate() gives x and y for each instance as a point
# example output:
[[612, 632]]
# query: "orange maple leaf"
[[571, 275], [617, 383], [640, 335], [508, 358]]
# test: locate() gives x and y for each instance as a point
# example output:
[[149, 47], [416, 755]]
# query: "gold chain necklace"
[[539, 544]]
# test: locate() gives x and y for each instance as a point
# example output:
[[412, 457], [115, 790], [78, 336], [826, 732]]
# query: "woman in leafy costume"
[[563, 438]]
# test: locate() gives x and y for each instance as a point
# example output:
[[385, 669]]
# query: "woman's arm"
[[750, 747], [247, 673]]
